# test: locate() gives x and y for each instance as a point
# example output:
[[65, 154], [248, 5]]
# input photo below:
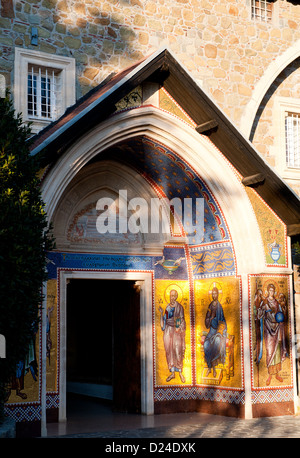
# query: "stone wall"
[[217, 41], [265, 133]]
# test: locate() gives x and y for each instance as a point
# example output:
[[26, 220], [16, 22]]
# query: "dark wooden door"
[[126, 347]]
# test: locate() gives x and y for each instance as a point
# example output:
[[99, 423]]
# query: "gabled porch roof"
[[163, 68]]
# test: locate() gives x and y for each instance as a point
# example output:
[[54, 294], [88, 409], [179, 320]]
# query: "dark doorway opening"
[[103, 342]]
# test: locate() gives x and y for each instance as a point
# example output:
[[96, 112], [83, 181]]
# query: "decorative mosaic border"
[[52, 400], [23, 412], [197, 393], [272, 396], [209, 248]]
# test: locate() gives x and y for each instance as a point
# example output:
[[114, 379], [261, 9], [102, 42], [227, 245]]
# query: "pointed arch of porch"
[[195, 149], [266, 81], [219, 176]]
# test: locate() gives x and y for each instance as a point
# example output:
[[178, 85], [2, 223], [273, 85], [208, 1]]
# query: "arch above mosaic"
[[172, 177]]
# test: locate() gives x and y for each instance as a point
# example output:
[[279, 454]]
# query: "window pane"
[[42, 92], [32, 95], [261, 10], [292, 129], [45, 97]]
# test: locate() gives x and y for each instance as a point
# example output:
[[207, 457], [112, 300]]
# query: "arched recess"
[[195, 149], [261, 88], [98, 183], [206, 161]]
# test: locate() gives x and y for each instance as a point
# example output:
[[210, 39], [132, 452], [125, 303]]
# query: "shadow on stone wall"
[[99, 40]]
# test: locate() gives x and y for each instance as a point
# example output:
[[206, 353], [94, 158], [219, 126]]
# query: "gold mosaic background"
[[162, 291], [260, 372], [230, 300], [271, 228]]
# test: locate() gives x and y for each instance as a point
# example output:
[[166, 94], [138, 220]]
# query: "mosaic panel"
[[273, 231], [203, 394], [270, 331], [24, 385], [173, 364], [167, 103], [218, 332], [213, 260], [173, 264], [131, 100], [83, 229], [174, 178]]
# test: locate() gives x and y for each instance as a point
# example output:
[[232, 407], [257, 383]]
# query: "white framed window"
[[292, 139], [261, 10], [43, 93], [286, 133], [44, 86]]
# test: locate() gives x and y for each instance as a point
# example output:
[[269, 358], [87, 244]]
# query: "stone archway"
[[196, 149], [261, 88], [78, 165]]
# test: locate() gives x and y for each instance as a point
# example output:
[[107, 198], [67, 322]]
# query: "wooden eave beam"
[[254, 180], [206, 127], [293, 229]]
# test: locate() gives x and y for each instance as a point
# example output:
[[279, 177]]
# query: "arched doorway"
[[127, 380], [195, 149], [126, 338], [106, 162], [103, 345]]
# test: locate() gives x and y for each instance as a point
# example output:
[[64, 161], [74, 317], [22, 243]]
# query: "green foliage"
[[296, 250], [22, 242]]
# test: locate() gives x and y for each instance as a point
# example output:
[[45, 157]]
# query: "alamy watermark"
[[137, 215]]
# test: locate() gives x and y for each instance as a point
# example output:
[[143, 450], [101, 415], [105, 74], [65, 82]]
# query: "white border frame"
[[144, 280], [274, 19], [66, 65], [282, 105]]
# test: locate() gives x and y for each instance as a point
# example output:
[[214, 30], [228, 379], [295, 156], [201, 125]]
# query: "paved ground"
[[280, 427], [92, 420]]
